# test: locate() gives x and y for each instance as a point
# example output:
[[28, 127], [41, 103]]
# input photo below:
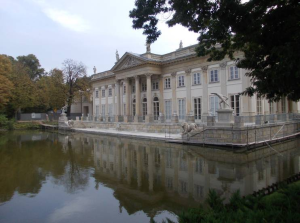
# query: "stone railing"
[[102, 75]]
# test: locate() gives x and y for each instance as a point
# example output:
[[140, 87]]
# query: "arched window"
[[156, 108], [144, 108]]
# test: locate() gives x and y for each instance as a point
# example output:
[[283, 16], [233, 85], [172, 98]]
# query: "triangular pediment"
[[128, 60]]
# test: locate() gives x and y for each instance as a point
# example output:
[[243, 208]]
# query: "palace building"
[[175, 87]]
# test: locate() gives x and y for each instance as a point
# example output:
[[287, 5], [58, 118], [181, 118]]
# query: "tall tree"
[[267, 31], [33, 65], [72, 71], [57, 89], [6, 86]]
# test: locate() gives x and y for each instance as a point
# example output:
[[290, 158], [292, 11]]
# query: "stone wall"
[[132, 127]]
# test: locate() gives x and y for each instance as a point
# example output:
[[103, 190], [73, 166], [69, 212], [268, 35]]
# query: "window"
[[214, 105], [168, 109], [103, 93], [214, 77], [103, 110], [124, 107], [183, 187], [97, 110], [144, 86], [144, 108], [110, 110], [283, 105], [197, 108], [258, 105], [199, 165], [168, 83], [234, 73], [235, 104], [97, 94], [133, 88], [155, 85], [133, 107], [181, 108], [124, 89], [198, 191], [109, 92], [180, 81], [156, 108], [169, 183], [197, 79]]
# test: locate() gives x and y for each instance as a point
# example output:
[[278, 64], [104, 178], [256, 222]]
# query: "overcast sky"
[[89, 31]]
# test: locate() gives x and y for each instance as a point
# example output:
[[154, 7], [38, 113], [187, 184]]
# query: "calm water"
[[50, 177]]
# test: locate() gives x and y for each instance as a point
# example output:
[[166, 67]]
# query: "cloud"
[[66, 19], [63, 17]]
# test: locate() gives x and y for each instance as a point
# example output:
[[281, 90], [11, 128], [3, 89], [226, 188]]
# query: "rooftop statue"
[[117, 56], [180, 44], [223, 100], [148, 47], [95, 70]]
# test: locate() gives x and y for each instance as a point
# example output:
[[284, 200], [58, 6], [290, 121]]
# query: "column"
[[106, 102], [223, 78], [149, 151], [149, 99], [129, 163], [205, 92], [100, 102], [189, 111], [139, 167], [127, 89], [117, 112], [161, 99], [114, 100], [137, 98], [174, 98], [121, 99]]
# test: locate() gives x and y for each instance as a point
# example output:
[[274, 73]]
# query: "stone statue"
[[223, 101], [180, 44], [117, 56], [188, 128], [148, 47], [95, 70], [64, 109]]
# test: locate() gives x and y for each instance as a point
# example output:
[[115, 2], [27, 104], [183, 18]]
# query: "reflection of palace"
[[158, 172]]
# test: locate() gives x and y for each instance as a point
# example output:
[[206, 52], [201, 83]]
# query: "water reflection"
[[145, 176]]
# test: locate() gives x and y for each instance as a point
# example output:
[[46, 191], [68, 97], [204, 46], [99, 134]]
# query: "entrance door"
[[144, 108]]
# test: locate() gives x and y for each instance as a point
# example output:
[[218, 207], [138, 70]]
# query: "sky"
[[88, 31]]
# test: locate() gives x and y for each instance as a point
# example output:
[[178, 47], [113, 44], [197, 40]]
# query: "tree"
[[266, 31], [6, 85], [33, 65], [72, 71]]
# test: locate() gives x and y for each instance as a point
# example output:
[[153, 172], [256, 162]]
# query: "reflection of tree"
[[25, 165]]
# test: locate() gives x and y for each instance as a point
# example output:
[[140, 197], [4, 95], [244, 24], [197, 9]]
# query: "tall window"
[[155, 85], [214, 105], [97, 94], [144, 108], [110, 92], [283, 105], [124, 89], [199, 165], [97, 110], [181, 108], [235, 104], [133, 107], [103, 110], [133, 88], [197, 108], [144, 86], [103, 93], [234, 73], [110, 110], [180, 81], [168, 83], [197, 79], [258, 105], [168, 109], [214, 76], [156, 108]]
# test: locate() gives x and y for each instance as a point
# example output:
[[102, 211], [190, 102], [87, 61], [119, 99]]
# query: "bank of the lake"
[[76, 177]]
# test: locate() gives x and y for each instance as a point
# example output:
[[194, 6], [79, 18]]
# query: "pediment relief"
[[129, 62]]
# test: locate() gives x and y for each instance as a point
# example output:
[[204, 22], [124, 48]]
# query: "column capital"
[[106, 86], [204, 68], [188, 71], [223, 65], [173, 74], [148, 75], [113, 85], [136, 77]]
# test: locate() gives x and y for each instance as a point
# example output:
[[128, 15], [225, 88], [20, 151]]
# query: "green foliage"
[[33, 66], [267, 32]]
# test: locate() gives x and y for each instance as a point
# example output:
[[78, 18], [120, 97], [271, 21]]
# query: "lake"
[[76, 177]]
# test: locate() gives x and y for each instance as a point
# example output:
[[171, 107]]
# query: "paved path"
[[113, 132]]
